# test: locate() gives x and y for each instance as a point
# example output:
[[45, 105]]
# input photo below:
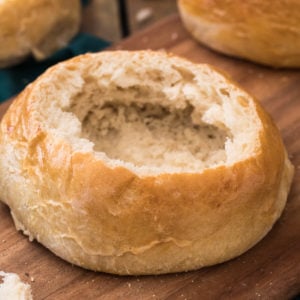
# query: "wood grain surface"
[[270, 270]]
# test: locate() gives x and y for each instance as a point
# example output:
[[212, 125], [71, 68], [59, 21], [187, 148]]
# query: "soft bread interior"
[[154, 136], [151, 114]]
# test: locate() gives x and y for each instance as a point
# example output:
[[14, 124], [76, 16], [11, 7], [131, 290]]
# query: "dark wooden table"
[[270, 270]]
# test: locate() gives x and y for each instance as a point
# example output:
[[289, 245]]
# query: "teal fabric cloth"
[[14, 79]]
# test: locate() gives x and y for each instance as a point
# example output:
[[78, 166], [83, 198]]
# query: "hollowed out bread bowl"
[[36, 27], [141, 163], [265, 32]]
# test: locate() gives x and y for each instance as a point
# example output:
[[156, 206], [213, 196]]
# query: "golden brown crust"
[[265, 32], [111, 219], [37, 27]]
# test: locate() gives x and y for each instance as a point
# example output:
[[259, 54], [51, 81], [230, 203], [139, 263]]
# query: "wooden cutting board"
[[270, 270]]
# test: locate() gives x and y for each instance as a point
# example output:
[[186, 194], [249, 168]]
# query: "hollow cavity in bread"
[[165, 119], [154, 136]]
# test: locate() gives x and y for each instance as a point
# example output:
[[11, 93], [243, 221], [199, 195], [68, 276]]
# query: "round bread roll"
[[141, 163], [266, 32], [36, 27]]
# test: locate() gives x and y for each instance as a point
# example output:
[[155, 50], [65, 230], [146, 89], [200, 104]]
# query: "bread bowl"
[[265, 32], [36, 27], [141, 163]]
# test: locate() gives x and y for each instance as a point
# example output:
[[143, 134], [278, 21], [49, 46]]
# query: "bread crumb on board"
[[12, 288]]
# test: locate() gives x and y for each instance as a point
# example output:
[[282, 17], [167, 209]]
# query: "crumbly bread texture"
[[266, 32], [12, 288], [36, 27], [141, 163]]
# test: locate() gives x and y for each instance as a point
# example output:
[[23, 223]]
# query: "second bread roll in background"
[[266, 32], [36, 27]]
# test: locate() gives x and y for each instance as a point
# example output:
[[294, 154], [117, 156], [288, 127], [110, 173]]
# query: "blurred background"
[[102, 17], [104, 22]]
